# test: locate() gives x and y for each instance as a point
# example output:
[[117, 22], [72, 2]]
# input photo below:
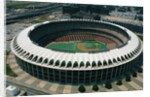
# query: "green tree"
[[81, 89], [97, 17], [95, 87], [108, 85], [119, 82], [134, 74], [140, 70], [128, 78]]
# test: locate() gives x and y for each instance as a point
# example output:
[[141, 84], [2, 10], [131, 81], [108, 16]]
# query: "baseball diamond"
[[77, 51], [81, 46]]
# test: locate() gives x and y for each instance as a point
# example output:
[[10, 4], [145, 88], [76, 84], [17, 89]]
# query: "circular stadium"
[[77, 51]]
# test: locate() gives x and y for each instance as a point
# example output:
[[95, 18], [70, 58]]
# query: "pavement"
[[46, 87], [13, 30], [30, 90]]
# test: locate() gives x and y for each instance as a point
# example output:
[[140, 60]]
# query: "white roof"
[[11, 88]]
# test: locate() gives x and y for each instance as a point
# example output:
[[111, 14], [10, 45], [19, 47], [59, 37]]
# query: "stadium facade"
[[66, 66]]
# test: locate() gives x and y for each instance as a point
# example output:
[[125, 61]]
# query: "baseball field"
[[80, 46]]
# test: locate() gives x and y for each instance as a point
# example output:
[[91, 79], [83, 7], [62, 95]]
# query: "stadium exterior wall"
[[75, 76]]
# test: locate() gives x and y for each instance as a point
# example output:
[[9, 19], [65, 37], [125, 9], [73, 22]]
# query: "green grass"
[[8, 69], [41, 19], [90, 46], [72, 46], [141, 37], [63, 46]]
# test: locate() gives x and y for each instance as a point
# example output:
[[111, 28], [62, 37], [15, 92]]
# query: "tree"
[[95, 87], [108, 85], [81, 89], [128, 78], [97, 17], [140, 70], [119, 82], [134, 74]]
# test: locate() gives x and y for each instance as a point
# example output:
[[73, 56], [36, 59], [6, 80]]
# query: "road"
[[30, 90], [25, 15]]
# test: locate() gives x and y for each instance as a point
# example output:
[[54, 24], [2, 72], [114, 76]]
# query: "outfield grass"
[[72, 46], [63, 46]]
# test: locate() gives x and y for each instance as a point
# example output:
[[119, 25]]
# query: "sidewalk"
[[56, 88]]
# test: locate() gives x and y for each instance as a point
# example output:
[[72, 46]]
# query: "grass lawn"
[[8, 69], [71, 46], [141, 37]]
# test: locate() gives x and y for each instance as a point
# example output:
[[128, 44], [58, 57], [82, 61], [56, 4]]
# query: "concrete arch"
[[51, 62], [129, 55], [105, 63], [82, 64], [122, 58], [63, 63], [114, 60], [26, 56], [118, 59], [93, 64], [57, 63], [69, 64], [40, 60], [45, 61], [87, 64], [75, 64], [110, 62], [30, 57], [35, 58], [99, 63], [125, 56]]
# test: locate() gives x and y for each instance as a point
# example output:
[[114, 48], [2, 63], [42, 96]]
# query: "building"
[[14, 91], [121, 55]]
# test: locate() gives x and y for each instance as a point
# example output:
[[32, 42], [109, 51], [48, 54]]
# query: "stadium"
[[77, 51]]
